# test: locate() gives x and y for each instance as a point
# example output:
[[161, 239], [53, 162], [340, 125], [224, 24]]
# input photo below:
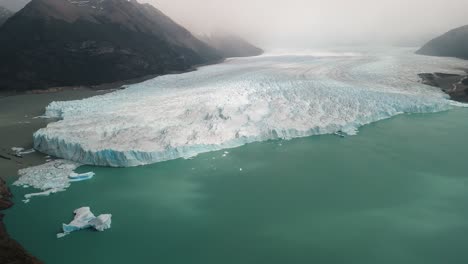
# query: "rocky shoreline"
[[17, 124], [10, 251], [455, 85]]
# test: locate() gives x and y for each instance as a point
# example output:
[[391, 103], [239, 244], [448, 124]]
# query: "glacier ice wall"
[[240, 101]]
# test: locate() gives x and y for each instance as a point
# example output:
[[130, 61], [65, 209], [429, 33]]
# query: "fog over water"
[[301, 23]]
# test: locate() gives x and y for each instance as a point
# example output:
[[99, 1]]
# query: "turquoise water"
[[395, 193]]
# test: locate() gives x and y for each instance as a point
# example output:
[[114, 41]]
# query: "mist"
[[313, 23], [309, 23]]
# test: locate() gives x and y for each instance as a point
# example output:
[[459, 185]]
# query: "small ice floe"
[[225, 153], [44, 193], [44, 117], [240, 169], [76, 177], [19, 152], [84, 219], [51, 177]]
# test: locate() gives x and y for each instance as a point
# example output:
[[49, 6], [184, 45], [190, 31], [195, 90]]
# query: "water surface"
[[395, 193]]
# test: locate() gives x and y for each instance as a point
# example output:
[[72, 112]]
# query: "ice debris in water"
[[242, 101], [51, 177], [19, 152], [84, 219]]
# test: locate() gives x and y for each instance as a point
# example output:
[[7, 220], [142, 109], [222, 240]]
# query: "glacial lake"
[[395, 193]]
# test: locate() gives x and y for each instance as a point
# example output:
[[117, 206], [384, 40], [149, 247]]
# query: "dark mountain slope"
[[4, 15], [13, 5], [452, 44], [231, 46], [62, 42]]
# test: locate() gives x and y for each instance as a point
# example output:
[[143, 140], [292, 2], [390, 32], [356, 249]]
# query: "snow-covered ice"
[[51, 177], [84, 219], [102, 222], [275, 96]]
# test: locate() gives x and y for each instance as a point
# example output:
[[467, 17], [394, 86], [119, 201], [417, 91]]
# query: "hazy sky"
[[285, 23]]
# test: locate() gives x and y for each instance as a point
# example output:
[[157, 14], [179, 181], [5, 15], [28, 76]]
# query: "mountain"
[[52, 43], [231, 46], [452, 44], [4, 14], [13, 5]]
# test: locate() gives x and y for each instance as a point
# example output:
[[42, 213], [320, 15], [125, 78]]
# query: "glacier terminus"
[[273, 96]]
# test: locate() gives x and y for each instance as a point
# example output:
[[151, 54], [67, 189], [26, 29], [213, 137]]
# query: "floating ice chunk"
[[51, 177], [17, 149], [20, 151], [75, 177], [101, 222], [81, 221], [44, 193], [84, 219], [60, 235], [29, 151]]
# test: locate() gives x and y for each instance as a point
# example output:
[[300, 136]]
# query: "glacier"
[[84, 219], [244, 100]]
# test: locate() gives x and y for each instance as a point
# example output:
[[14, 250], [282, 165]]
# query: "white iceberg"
[[84, 219], [19, 152], [242, 101], [102, 222], [76, 177]]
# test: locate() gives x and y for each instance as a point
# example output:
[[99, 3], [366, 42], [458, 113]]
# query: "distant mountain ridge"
[[451, 44], [13, 5], [62, 42], [4, 15], [229, 45]]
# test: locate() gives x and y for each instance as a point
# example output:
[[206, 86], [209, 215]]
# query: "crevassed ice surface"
[[241, 101]]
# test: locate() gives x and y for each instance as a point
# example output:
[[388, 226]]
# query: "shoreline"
[[104, 87], [18, 124], [455, 85], [16, 130], [10, 250]]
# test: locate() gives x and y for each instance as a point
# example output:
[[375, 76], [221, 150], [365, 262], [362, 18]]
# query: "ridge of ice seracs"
[[242, 101]]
